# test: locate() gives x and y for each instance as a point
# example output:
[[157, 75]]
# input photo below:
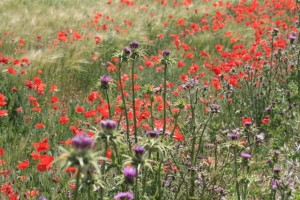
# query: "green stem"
[[89, 192], [236, 174], [145, 175], [158, 179], [216, 154], [165, 100], [125, 108], [298, 66], [201, 136], [103, 167], [175, 124], [193, 131], [133, 102], [151, 112], [108, 104], [136, 195], [77, 184], [270, 70]]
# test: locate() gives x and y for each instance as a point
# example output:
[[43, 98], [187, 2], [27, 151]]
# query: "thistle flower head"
[[152, 134], [124, 196], [129, 172], [134, 45], [166, 53], [246, 155], [127, 51], [105, 82], [139, 151], [82, 141], [42, 198], [108, 124]]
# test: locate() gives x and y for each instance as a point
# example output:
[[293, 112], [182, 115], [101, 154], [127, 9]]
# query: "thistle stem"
[[236, 173], [136, 196], [125, 108], [151, 112], [103, 166], [165, 100], [133, 102], [77, 183], [108, 104]]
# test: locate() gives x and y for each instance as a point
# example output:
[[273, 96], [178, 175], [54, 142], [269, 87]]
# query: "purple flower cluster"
[[166, 53], [152, 134], [134, 45], [139, 151], [129, 173], [105, 82], [82, 141], [124, 196], [108, 124], [246, 155]]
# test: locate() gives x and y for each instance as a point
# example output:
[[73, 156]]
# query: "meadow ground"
[[158, 99]]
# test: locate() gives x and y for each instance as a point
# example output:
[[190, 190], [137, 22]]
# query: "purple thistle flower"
[[293, 37], [274, 184], [105, 79], [105, 82], [108, 124], [129, 173], [214, 108], [139, 151], [134, 45], [234, 136], [165, 53], [127, 51], [268, 109], [276, 170], [246, 155], [124, 196], [152, 134], [276, 153], [42, 198], [275, 31], [82, 141]]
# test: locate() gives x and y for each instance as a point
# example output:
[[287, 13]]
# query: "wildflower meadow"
[[150, 99]]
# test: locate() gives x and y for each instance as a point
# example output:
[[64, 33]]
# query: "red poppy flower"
[[178, 136], [90, 113], [39, 125], [219, 47], [45, 163], [108, 153], [247, 121], [2, 100], [3, 113], [41, 146], [266, 120], [2, 153], [79, 109], [11, 70], [71, 170], [54, 100], [35, 155], [64, 120], [23, 165]]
